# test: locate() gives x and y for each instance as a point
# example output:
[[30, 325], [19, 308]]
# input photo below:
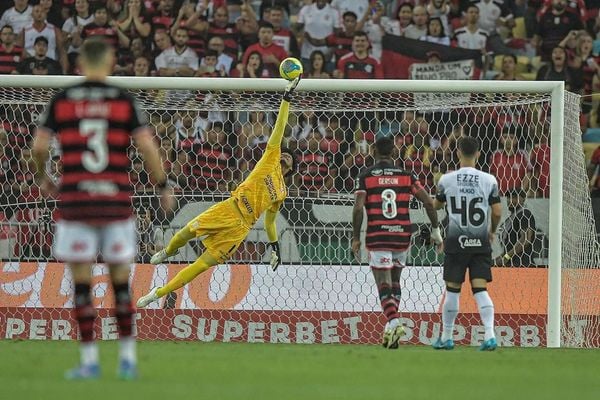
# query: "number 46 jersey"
[[388, 192], [468, 194]]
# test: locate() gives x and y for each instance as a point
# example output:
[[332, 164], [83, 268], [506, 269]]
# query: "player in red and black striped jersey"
[[94, 123], [385, 190]]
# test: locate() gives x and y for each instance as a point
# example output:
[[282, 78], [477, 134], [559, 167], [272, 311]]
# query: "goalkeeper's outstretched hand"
[[275, 255], [289, 89]]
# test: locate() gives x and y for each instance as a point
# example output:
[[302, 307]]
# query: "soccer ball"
[[290, 68]]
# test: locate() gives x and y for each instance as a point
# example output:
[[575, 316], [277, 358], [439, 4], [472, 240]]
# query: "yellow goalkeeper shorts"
[[222, 229]]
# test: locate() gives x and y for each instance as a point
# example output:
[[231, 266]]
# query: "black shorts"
[[456, 265]]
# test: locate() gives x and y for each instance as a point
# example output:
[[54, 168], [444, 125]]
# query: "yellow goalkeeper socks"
[[178, 240], [187, 274]]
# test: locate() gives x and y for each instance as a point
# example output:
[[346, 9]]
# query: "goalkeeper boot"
[[161, 256], [440, 344], [127, 370], [147, 299], [489, 345], [83, 372]]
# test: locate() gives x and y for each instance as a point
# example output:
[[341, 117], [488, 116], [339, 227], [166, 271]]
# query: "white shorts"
[[383, 259], [81, 242]]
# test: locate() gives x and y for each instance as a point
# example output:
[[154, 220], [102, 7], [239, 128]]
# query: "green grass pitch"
[[193, 370]]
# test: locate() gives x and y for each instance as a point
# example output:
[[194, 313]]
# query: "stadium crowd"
[[213, 150]]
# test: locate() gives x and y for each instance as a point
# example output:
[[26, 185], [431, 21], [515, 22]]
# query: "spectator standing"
[[558, 70], [439, 9], [178, 60], [359, 64], [196, 25], [495, 14], [40, 63], [103, 27], [398, 25], [73, 27], [135, 23], [18, 16], [509, 165], [553, 26], [39, 27], [419, 26], [371, 25], [471, 36], [10, 54], [317, 20], [163, 18], [358, 7], [230, 34], [271, 54], [435, 32], [282, 36], [341, 42]]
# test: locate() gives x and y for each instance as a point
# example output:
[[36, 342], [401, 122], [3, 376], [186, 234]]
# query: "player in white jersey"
[[470, 196]]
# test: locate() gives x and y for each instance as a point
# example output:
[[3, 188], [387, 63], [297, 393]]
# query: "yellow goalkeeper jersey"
[[265, 189]]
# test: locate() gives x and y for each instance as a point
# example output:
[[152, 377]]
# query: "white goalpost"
[[321, 284]]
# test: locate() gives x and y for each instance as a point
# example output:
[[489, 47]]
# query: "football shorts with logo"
[[221, 228], [385, 259]]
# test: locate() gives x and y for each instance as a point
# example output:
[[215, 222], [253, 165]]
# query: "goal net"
[[213, 134]]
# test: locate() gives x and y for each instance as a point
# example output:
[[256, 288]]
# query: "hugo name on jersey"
[[388, 191], [468, 194]]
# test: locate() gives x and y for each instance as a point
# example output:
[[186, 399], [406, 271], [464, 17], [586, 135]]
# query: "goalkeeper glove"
[[275, 255], [289, 89], [436, 236]]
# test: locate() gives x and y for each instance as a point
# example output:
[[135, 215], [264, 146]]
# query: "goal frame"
[[555, 89]]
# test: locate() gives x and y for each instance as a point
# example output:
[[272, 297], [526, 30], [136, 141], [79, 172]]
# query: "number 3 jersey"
[[93, 123], [388, 192], [468, 194]]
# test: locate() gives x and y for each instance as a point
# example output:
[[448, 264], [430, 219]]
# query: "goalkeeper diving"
[[225, 225]]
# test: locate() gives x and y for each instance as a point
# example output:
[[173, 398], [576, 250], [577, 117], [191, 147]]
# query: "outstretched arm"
[[270, 226], [271, 229], [282, 116]]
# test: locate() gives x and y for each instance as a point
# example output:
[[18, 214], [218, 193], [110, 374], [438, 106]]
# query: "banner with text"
[[454, 70]]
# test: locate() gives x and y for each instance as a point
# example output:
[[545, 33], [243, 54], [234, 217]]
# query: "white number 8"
[[95, 160], [388, 203]]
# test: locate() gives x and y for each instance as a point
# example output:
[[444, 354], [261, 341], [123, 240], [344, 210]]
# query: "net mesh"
[[210, 140]]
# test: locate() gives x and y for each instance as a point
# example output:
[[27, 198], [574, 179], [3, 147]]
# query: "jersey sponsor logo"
[[376, 172], [247, 204], [104, 188], [466, 242], [393, 228], [388, 181], [271, 187]]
